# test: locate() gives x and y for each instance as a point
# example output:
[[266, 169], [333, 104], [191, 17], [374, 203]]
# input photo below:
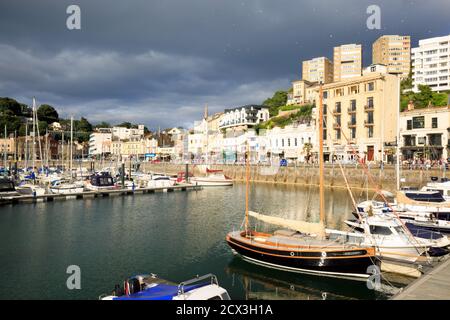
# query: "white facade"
[[123, 133], [425, 133], [297, 142], [99, 142], [246, 116], [431, 64]]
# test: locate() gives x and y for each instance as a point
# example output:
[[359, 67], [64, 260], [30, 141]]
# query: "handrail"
[[210, 276]]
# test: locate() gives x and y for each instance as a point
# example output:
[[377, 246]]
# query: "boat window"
[[6, 186], [380, 230], [225, 296], [215, 298]]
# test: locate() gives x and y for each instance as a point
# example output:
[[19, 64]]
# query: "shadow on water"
[[260, 283]]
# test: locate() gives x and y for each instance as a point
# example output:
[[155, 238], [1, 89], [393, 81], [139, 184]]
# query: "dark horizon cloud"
[[159, 62]]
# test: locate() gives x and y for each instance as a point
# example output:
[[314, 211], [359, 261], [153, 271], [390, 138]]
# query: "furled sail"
[[301, 226]]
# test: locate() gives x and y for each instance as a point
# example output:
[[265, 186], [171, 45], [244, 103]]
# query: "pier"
[[433, 285], [94, 194]]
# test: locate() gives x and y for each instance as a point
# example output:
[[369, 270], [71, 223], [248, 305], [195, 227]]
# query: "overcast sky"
[[158, 62]]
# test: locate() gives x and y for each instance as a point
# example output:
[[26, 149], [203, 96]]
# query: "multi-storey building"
[[431, 64], [424, 133], [360, 115], [347, 60], [394, 52], [244, 117], [123, 133], [318, 70], [99, 140], [303, 92]]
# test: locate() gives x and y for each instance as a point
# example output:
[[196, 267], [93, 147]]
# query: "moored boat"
[[151, 287]]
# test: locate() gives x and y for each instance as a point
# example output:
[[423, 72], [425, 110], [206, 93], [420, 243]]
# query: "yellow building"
[[393, 51], [318, 70], [303, 92], [7, 145], [360, 114], [347, 60]]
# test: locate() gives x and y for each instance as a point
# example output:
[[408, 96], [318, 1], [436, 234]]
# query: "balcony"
[[368, 107], [336, 126], [368, 123], [336, 111], [351, 124], [351, 110]]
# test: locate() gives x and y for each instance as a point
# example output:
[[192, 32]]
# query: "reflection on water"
[[175, 235]]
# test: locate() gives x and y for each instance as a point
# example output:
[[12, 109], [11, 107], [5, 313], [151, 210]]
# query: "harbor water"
[[175, 235]]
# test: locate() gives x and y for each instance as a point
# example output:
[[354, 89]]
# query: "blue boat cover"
[[422, 232], [158, 292]]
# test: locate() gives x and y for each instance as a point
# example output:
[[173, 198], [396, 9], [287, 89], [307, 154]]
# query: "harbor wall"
[[302, 175]]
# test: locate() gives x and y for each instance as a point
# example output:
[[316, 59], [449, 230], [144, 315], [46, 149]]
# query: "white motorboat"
[[160, 181], [442, 187], [65, 187], [151, 287], [214, 178], [100, 182], [31, 189]]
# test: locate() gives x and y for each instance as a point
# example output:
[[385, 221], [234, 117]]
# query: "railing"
[[369, 107], [210, 276], [368, 123], [351, 124], [351, 110]]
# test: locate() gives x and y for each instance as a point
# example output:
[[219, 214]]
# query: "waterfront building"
[[361, 114], [8, 146], [394, 52], [296, 142], [424, 133], [347, 60], [180, 141], [431, 64], [123, 133], [303, 92], [245, 117], [98, 141], [318, 70]]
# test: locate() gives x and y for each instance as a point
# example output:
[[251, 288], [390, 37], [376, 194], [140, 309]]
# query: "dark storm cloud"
[[159, 62]]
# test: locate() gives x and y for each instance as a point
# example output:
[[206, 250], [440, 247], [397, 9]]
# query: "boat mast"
[[5, 151], [71, 144], [398, 136], [247, 185], [26, 145], [321, 164], [33, 133]]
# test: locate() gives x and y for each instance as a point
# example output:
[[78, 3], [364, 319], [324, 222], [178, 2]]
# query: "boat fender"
[[292, 254]]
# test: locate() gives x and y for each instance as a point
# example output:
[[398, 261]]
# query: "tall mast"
[[71, 144], [398, 135], [33, 133], [321, 176], [26, 144], [39, 138], [247, 185], [5, 151]]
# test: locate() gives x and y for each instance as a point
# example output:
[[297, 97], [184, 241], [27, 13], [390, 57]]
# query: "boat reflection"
[[260, 283]]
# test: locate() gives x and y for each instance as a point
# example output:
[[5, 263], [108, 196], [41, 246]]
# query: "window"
[[370, 132], [353, 133], [282, 142], [338, 107], [295, 141], [370, 102], [384, 231], [434, 123], [370, 86], [370, 117], [353, 105], [408, 124], [324, 134], [418, 122], [289, 142], [338, 134]]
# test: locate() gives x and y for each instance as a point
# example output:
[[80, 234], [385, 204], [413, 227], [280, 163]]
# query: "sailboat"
[[304, 248]]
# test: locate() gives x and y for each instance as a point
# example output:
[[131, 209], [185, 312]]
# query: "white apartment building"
[[244, 117], [431, 64], [424, 133], [123, 133], [347, 61], [297, 142], [100, 142]]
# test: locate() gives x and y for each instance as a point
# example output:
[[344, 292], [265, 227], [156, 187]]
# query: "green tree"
[[278, 99], [127, 125], [11, 105], [47, 113], [424, 97], [103, 124]]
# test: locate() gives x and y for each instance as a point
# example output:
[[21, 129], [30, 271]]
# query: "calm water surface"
[[175, 235]]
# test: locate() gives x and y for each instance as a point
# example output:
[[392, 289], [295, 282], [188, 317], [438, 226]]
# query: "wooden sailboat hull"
[[334, 262]]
